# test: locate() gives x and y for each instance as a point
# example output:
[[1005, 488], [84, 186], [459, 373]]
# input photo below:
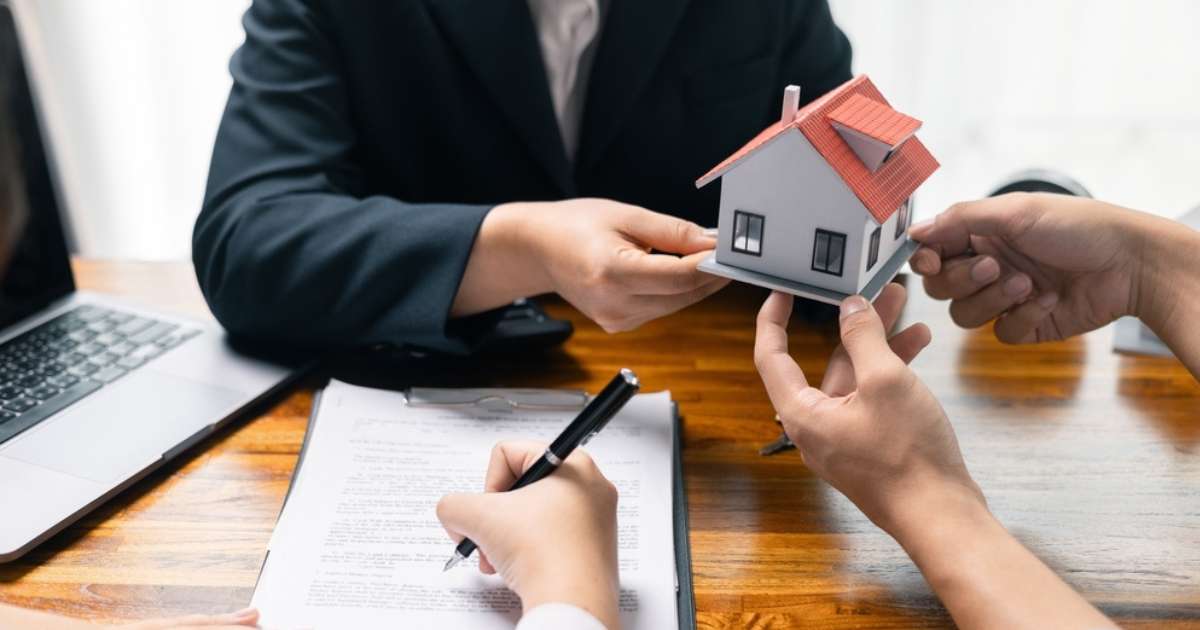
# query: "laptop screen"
[[32, 244]]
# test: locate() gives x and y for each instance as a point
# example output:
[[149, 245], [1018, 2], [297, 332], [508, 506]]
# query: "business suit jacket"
[[364, 142]]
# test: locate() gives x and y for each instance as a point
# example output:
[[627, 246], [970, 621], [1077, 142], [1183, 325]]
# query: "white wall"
[[134, 91], [1105, 90]]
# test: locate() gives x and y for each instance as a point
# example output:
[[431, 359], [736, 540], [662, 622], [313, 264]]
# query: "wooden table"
[[1091, 458]]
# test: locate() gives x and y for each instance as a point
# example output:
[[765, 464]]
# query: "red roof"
[[875, 120], [881, 192]]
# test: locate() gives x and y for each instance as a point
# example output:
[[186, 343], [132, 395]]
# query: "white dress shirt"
[[559, 617], [567, 31]]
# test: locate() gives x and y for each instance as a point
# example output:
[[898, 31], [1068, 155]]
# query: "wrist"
[[934, 509], [595, 594], [515, 230], [1168, 270], [951, 540]]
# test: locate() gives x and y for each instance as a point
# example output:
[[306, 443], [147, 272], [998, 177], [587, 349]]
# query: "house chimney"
[[791, 103]]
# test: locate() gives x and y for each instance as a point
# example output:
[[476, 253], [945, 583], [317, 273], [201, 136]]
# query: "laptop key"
[[71, 358], [130, 362], [20, 405], [50, 368], [101, 326], [82, 335], [63, 380], [109, 374], [84, 369], [154, 332], [135, 324], [42, 392], [104, 358], [108, 338], [123, 347], [8, 392], [29, 380], [5, 416], [148, 351], [88, 349]]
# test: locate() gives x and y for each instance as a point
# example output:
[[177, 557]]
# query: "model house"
[[819, 203]]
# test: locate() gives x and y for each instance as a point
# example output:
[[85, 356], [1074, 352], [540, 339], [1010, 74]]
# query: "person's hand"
[[551, 541], [872, 430], [1047, 266], [16, 618], [620, 265], [246, 618]]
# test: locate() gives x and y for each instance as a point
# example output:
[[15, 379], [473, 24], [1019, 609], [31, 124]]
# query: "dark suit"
[[364, 142]]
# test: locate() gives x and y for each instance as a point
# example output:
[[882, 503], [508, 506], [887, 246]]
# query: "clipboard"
[[685, 600]]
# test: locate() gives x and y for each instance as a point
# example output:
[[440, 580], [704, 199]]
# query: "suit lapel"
[[634, 39], [497, 39]]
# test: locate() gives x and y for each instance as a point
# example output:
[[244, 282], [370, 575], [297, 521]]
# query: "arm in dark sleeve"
[[816, 52], [286, 248]]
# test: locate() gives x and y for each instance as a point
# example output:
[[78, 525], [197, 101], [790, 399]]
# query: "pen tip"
[[454, 560]]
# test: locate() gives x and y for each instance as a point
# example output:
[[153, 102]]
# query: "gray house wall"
[[792, 186], [888, 245]]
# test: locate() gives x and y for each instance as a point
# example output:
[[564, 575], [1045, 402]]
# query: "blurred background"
[[1107, 91]]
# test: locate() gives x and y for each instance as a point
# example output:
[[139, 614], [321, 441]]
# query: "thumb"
[[667, 234], [865, 338]]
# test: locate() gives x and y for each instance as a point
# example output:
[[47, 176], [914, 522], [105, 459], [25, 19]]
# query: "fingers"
[[909, 343], [926, 262], [786, 385], [1020, 324], [890, 304], [247, 617], [659, 274], [949, 233], [978, 309], [865, 339], [666, 233], [508, 460], [962, 276], [650, 307]]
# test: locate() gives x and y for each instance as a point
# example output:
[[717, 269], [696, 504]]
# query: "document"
[[358, 543]]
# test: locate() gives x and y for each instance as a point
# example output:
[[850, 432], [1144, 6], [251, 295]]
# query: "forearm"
[[14, 618], [1168, 290], [328, 271], [986, 578], [503, 265]]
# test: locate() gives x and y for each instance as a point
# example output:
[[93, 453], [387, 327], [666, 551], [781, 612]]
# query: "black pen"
[[587, 424]]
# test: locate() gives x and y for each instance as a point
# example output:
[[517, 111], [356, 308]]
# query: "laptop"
[[95, 392]]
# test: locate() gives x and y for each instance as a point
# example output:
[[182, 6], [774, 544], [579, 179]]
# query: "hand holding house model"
[[818, 204]]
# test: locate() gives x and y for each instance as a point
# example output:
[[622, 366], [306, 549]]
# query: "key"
[[781, 443], [108, 374], [152, 333]]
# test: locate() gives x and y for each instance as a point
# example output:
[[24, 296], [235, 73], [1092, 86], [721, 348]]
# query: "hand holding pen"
[[587, 424], [555, 540]]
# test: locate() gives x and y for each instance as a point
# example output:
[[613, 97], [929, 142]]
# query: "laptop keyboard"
[[63, 360]]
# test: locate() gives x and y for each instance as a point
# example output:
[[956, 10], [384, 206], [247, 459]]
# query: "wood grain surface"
[[1092, 459]]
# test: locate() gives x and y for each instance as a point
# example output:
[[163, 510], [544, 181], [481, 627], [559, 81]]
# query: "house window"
[[829, 249], [905, 216], [873, 252], [747, 233]]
